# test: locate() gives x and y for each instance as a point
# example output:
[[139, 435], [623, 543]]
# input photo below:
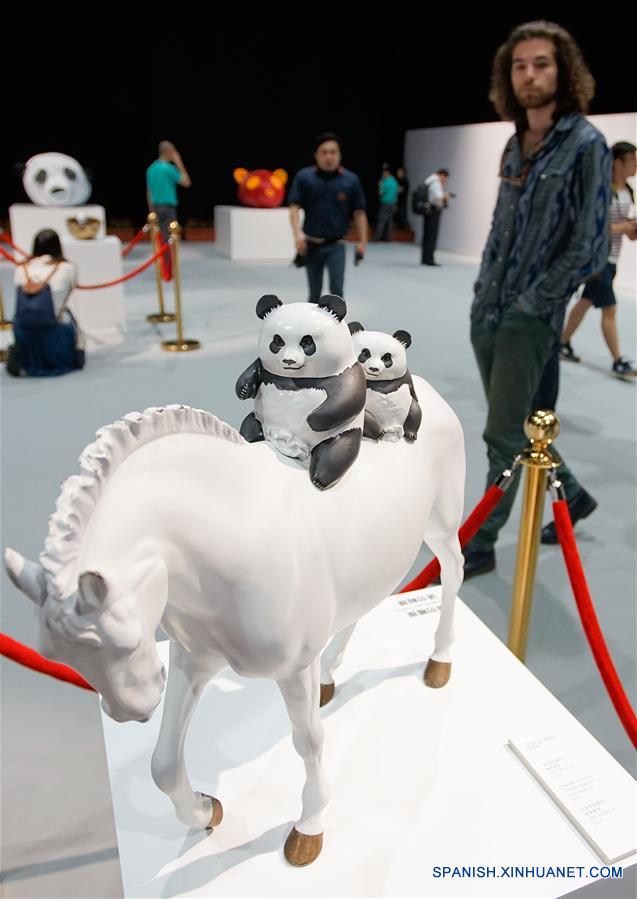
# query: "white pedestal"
[[258, 234], [418, 778], [27, 219], [101, 314]]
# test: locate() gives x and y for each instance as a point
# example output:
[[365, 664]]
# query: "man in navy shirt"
[[329, 195]]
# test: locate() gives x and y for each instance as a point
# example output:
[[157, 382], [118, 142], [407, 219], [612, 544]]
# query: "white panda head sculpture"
[[54, 179], [383, 356], [304, 340]]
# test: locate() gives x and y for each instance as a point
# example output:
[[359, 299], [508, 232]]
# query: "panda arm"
[[249, 381], [345, 398], [414, 416], [371, 429]]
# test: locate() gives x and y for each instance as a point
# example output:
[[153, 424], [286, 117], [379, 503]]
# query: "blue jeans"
[[319, 256]]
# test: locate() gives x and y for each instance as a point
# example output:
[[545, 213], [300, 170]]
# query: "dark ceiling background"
[[255, 91]]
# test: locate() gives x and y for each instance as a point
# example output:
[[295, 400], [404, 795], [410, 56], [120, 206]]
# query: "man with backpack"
[[429, 200]]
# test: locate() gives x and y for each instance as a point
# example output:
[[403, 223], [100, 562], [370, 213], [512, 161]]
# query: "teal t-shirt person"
[[388, 190], [162, 179]]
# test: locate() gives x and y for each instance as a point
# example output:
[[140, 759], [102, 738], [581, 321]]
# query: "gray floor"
[[58, 836]]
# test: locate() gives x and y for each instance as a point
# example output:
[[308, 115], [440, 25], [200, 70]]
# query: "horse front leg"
[[301, 696], [331, 659], [186, 681], [447, 548]]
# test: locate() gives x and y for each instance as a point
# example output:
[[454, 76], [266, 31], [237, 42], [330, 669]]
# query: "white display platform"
[[27, 219], [242, 232], [418, 777], [101, 314]]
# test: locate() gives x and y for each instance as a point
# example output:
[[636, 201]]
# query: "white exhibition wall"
[[472, 154]]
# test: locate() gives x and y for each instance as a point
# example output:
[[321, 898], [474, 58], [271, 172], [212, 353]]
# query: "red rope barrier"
[[160, 253], [9, 257], [468, 530], [15, 651], [135, 240], [5, 239], [589, 620]]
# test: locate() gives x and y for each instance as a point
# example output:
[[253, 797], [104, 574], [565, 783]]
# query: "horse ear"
[[355, 327], [335, 305], [92, 593], [267, 304], [403, 337], [27, 576]]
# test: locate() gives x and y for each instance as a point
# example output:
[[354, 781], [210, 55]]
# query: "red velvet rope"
[[468, 530], [589, 620], [5, 239], [9, 257], [164, 249], [32, 659], [135, 240]]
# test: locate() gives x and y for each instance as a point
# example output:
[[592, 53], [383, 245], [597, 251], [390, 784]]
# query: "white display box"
[[419, 778], [27, 219], [242, 232]]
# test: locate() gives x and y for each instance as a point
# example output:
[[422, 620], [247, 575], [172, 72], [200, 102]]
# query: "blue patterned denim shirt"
[[550, 228]]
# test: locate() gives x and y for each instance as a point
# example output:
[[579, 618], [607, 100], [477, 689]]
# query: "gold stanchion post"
[[155, 241], [5, 325], [541, 427], [180, 345]]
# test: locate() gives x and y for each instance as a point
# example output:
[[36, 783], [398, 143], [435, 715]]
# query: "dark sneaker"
[[623, 368], [567, 352], [477, 562], [581, 506]]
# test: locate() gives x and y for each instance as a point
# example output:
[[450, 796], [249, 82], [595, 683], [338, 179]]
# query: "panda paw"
[[245, 392], [410, 437], [318, 484]]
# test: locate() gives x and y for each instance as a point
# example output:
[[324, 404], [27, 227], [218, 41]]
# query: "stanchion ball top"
[[542, 426]]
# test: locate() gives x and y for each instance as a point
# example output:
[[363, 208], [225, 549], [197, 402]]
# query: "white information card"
[[592, 789]]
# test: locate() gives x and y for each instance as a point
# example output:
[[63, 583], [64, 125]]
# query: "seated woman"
[[46, 334]]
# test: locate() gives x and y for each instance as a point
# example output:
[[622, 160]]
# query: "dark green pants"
[[511, 358]]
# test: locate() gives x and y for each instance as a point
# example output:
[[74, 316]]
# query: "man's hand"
[[361, 248], [301, 245]]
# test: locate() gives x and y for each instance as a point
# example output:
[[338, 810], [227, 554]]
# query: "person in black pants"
[[437, 199], [330, 196]]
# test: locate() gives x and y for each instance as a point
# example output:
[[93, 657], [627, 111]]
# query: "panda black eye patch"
[[307, 345], [276, 344], [364, 355], [41, 176], [387, 359], [70, 174]]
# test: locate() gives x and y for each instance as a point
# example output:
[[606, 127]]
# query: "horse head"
[[105, 630]]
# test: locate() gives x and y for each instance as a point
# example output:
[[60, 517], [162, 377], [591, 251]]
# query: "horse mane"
[[81, 493]]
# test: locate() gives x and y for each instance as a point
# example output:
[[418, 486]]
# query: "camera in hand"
[[300, 260], [358, 256]]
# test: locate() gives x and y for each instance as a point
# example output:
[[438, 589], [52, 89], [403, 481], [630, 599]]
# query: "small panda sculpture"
[[55, 179], [391, 408], [308, 387]]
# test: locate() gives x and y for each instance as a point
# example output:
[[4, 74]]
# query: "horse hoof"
[[437, 673], [217, 812], [327, 693], [302, 849]]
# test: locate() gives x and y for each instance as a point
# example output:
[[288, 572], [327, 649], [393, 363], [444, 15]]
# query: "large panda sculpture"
[[391, 408], [308, 387], [54, 179]]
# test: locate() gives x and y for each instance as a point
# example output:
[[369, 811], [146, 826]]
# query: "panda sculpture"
[[54, 179], [391, 408], [308, 387]]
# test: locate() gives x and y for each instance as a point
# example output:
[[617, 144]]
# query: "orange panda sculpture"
[[261, 187]]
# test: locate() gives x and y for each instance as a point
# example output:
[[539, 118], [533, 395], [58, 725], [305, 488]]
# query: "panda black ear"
[[355, 327], [333, 304], [18, 168], [267, 304], [403, 337]]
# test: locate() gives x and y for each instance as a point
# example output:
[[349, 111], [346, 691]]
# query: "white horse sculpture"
[[176, 521]]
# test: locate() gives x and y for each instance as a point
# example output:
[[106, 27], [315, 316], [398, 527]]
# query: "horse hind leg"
[[186, 681], [331, 659], [300, 693], [446, 546]]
